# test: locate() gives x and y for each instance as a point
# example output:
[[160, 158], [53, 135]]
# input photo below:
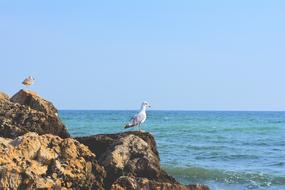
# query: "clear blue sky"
[[190, 55]]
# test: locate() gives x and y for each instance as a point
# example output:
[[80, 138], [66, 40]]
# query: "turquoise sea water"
[[225, 150]]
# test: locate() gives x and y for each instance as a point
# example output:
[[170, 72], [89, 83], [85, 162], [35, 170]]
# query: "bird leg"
[[139, 127]]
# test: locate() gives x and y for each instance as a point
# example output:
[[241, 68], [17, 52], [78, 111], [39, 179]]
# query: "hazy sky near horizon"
[[189, 55]]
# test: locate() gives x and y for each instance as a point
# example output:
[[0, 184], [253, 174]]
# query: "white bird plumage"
[[140, 117]]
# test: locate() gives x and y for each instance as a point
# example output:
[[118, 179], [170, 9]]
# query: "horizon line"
[[173, 110]]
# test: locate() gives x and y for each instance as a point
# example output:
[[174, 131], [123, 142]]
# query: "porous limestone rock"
[[27, 112], [35, 161], [132, 158]]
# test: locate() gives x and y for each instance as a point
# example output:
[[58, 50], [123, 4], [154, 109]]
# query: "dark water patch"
[[276, 121], [277, 164], [240, 157]]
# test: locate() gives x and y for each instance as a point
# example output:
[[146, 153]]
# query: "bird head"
[[31, 78], [145, 104]]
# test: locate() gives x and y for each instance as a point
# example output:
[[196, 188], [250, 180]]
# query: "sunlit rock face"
[[28, 112]]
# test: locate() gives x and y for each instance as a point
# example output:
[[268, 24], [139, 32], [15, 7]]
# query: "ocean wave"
[[278, 121], [252, 128], [199, 174]]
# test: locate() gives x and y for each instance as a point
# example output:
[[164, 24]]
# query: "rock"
[[3, 96], [29, 113], [32, 161], [34, 101], [41, 156], [133, 155], [128, 183]]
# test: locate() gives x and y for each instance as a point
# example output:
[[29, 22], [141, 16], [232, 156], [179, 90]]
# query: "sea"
[[232, 150]]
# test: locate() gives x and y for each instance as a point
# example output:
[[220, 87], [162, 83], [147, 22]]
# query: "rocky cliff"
[[28, 112], [34, 101], [37, 152], [131, 161], [35, 161]]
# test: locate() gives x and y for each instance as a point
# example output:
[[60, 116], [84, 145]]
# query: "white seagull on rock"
[[140, 117], [28, 81]]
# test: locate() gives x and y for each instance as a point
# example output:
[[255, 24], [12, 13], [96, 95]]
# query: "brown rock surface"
[[3, 96], [48, 162], [129, 183], [29, 113], [133, 155], [34, 101]]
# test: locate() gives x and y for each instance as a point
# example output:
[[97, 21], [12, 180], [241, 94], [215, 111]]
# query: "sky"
[[178, 55]]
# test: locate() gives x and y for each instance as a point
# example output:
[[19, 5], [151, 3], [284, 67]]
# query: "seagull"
[[139, 118], [28, 81]]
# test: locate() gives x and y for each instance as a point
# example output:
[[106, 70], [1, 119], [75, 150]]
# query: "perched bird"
[[139, 118], [28, 81]]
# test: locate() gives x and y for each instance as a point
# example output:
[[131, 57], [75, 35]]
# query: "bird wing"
[[27, 82], [135, 120]]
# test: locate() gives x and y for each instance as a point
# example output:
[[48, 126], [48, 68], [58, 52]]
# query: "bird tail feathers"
[[128, 126]]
